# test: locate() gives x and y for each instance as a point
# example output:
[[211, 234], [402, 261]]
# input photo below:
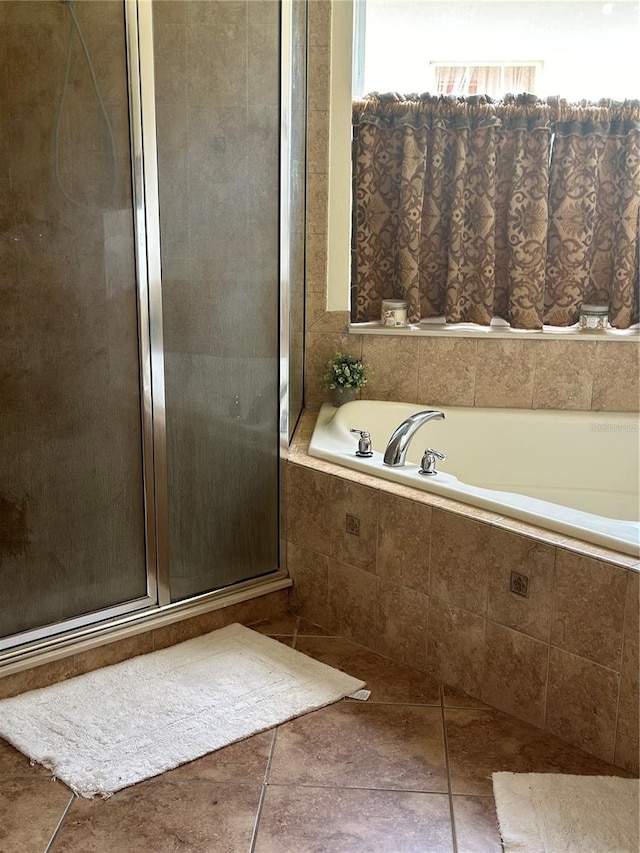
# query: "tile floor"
[[408, 770]]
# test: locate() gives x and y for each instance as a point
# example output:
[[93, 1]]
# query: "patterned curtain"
[[457, 210], [594, 201]]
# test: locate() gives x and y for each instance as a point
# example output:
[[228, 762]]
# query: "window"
[[440, 218], [580, 48]]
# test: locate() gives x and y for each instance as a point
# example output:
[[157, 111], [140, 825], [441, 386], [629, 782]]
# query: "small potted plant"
[[347, 374]]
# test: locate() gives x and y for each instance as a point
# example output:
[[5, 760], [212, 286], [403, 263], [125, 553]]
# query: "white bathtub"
[[571, 472]]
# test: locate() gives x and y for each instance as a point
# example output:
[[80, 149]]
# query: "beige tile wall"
[[427, 583], [576, 374]]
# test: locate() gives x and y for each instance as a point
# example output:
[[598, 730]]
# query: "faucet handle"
[[428, 465], [364, 445]]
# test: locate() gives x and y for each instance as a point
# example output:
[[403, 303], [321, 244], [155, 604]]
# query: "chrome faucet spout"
[[396, 452]]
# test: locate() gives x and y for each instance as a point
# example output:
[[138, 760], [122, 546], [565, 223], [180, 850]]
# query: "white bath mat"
[[556, 813], [113, 727]]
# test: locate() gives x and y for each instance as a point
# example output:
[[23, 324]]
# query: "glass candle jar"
[[593, 318], [394, 313]]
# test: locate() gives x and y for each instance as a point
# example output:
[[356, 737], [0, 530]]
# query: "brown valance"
[[514, 112]]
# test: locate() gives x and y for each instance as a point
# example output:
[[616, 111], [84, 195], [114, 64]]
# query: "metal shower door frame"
[[144, 160]]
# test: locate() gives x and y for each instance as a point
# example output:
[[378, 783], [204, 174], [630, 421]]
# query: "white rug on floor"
[[116, 726], [557, 813]]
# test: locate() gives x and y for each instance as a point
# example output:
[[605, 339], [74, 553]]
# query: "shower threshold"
[[61, 645]]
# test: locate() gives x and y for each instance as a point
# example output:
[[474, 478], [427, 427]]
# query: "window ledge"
[[468, 330]]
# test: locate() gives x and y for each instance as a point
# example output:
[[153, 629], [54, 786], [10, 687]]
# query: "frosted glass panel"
[[71, 502], [297, 211], [217, 90]]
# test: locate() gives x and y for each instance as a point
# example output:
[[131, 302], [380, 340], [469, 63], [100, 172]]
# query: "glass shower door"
[[217, 77], [72, 510]]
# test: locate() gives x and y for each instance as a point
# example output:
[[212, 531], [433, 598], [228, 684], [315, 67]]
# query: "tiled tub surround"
[[376, 587], [427, 582]]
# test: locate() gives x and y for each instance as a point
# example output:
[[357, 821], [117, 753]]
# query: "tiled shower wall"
[[539, 374]]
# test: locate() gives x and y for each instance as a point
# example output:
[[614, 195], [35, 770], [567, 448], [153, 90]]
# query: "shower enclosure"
[[151, 257]]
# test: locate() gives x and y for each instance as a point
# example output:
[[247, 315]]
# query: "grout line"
[[475, 374], [446, 761], [60, 822], [485, 621], [552, 610], [330, 787], [623, 649], [534, 376], [388, 703], [592, 374], [263, 792], [294, 641]]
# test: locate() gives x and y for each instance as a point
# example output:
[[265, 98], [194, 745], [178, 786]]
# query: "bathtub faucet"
[[396, 451]]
